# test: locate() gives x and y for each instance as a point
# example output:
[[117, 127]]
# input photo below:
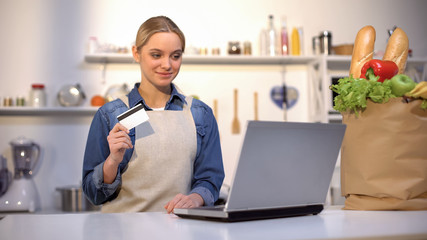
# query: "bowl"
[[343, 49]]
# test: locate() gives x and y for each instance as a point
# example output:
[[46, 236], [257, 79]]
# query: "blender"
[[21, 194]]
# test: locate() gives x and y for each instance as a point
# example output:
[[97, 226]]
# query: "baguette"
[[397, 49], [363, 50]]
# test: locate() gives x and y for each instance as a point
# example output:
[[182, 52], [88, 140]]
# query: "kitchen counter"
[[331, 223]]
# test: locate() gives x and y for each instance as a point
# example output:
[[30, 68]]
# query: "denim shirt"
[[208, 171]]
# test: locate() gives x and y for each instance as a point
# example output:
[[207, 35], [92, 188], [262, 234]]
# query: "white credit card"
[[133, 117]]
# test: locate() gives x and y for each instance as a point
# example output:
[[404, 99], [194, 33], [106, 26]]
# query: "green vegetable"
[[353, 93], [424, 104]]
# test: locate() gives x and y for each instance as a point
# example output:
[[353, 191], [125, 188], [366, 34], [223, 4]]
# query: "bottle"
[[295, 43], [271, 37], [247, 48], [93, 45], [301, 40], [284, 38], [37, 96], [5, 176]]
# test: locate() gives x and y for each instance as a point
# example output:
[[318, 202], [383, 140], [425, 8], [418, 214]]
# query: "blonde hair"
[[156, 25]]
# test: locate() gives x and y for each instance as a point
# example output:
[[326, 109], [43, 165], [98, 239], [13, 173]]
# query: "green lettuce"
[[354, 92]]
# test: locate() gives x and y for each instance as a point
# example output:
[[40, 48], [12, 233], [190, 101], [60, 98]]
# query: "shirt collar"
[[135, 97]]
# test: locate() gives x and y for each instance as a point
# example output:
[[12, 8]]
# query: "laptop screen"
[[285, 164]]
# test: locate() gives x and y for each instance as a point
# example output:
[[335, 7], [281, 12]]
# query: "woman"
[[172, 161]]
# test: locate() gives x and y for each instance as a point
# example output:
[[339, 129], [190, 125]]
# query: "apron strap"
[[189, 101]]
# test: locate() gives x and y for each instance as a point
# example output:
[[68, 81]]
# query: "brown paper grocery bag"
[[384, 157]]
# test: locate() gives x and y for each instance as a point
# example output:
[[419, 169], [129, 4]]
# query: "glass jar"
[[37, 96], [234, 48], [247, 48], [7, 102], [20, 101]]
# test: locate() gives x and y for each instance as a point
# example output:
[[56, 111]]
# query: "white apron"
[[162, 162]]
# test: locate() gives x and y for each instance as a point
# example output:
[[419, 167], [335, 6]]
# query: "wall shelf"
[[336, 62], [106, 58], [48, 111], [325, 63]]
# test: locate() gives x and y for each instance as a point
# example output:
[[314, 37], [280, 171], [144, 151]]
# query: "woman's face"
[[160, 59]]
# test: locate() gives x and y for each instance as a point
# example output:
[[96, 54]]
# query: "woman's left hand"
[[184, 201]]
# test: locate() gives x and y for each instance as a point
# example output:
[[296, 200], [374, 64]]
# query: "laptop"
[[284, 170]]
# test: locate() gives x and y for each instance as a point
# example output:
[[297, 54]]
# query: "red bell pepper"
[[379, 70]]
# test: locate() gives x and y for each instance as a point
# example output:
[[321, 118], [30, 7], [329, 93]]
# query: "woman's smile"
[[165, 74]]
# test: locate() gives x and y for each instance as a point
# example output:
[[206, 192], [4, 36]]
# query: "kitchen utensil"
[[116, 91], [22, 194], [215, 108], [71, 95], [316, 45], [325, 42], [235, 127], [277, 96], [256, 106], [74, 200], [285, 102]]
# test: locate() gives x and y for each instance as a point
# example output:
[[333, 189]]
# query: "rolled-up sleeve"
[[97, 150], [208, 166]]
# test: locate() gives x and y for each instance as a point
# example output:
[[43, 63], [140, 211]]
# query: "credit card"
[[133, 117]]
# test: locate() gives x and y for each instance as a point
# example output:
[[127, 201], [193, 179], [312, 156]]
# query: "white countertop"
[[331, 223]]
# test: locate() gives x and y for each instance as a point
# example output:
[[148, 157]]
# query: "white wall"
[[44, 41]]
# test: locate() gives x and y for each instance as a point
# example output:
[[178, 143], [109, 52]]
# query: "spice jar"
[[234, 48], [247, 49], [37, 96], [20, 101], [7, 102], [215, 51]]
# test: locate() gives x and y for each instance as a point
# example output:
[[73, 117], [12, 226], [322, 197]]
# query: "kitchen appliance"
[[5, 176], [21, 194], [74, 200]]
